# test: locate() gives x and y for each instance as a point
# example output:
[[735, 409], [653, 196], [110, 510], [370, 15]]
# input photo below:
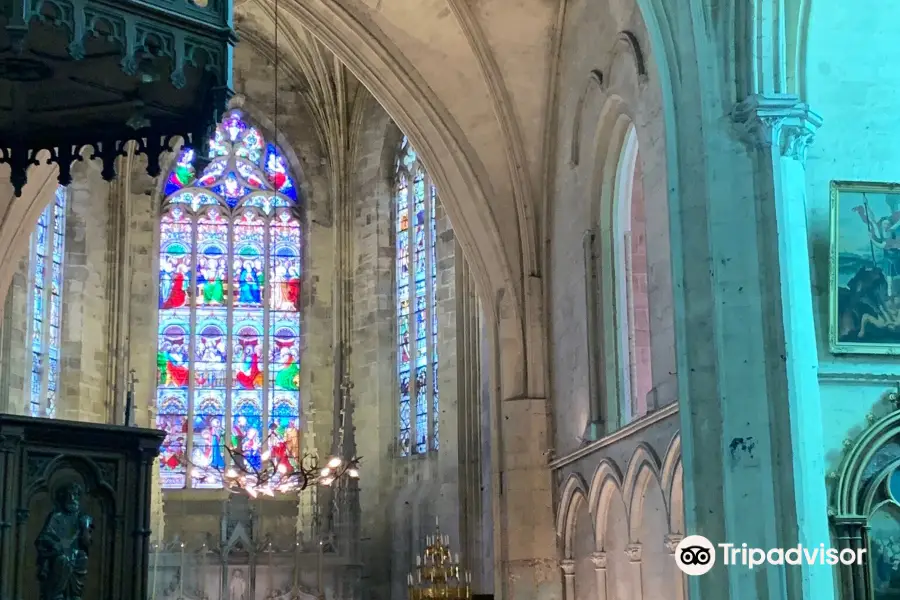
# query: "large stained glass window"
[[229, 307], [417, 355], [47, 250]]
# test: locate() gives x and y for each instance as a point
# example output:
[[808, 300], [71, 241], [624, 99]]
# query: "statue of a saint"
[[62, 547], [237, 586]]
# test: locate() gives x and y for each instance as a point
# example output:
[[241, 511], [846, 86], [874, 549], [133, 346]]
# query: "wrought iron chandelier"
[[279, 469], [438, 573]]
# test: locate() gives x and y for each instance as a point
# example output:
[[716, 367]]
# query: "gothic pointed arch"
[[47, 250], [865, 508], [415, 200], [229, 330]]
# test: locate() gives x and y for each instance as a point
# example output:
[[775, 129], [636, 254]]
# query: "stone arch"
[[643, 469], [20, 215], [606, 485], [670, 479], [574, 493], [859, 487], [463, 181]]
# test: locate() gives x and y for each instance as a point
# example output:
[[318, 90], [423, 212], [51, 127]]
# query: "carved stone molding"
[[568, 567], [633, 552], [671, 541], [779, 122], [599, 560]]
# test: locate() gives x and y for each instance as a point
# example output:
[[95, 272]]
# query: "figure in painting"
[[178, 293], [171, 363], [248, 283], [288, 376], [249, 375], [245, 438], [63, 545], [292, 439], [293, 288], [869, 301], [286, 286], [216, 434], [214, 290], [237, 587]]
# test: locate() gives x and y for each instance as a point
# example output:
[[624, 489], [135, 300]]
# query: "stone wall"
[[616, 483], [413, 491], [855, 142], [606, 90]]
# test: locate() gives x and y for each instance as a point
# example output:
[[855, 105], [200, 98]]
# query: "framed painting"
[[864, 286]]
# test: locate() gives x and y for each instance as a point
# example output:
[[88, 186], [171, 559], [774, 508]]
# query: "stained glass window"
[[417, 353], [228, 351], [47, 249]]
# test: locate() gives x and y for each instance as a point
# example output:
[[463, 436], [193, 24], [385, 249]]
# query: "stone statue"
[[237, 587], [62, 547]]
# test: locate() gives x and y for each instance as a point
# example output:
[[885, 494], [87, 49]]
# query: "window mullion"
[[192, 320], [430, 438], [33, 254], [228, 425], [411, 295], [50, 238], [266, 297]]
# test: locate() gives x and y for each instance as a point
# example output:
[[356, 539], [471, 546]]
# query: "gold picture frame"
[[864, 269]]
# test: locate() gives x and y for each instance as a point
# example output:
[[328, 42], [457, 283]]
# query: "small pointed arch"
[[574, 493], [606, 485], [643, 468]]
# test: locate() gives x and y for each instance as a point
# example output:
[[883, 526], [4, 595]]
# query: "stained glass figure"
[[415, 198], [48, 250], [229, 308]]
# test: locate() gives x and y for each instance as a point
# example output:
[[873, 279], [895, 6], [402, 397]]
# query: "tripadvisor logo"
[[696, 555]]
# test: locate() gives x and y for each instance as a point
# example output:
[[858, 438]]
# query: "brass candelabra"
[[438, 574]]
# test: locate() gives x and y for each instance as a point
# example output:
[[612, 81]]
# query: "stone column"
[[633, 552], [568, 570], [599, 560], [751, 414], [671, 542]]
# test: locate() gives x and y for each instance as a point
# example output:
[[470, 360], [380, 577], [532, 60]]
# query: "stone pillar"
[[671, 542], [568, 570], [599, 560], [633, 552], [751, 414]]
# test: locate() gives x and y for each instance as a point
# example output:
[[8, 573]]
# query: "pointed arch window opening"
[[47, 254], [417, 324], [229, 339]]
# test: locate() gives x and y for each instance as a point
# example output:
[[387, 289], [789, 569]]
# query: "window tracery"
[[229, 337]]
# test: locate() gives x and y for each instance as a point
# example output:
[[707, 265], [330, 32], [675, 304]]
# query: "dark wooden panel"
[[40, 459]]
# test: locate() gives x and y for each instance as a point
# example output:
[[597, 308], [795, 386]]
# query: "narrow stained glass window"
[[48, 248], [417, 354], [229, 307]]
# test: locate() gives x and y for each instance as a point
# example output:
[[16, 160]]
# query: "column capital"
[[568, 566], [633, 552], [599, 560], [671, 541], [777, 121]]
